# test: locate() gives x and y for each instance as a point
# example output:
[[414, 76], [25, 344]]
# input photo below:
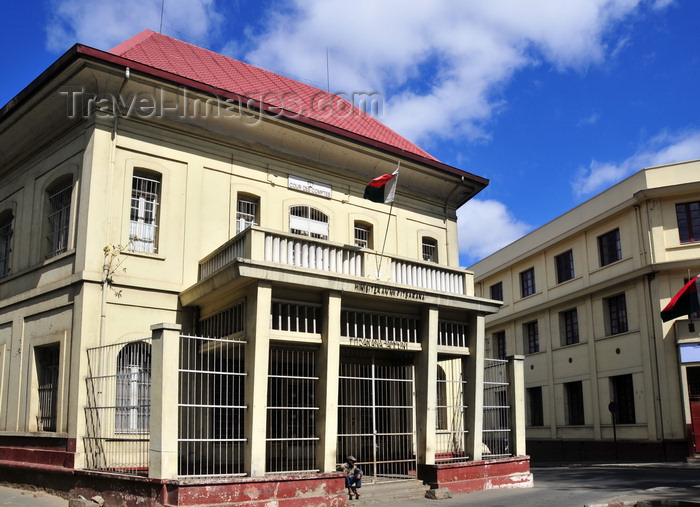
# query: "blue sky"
[[551, 100]]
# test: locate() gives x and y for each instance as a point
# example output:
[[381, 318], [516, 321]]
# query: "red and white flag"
[[685, 302], [382, 188]]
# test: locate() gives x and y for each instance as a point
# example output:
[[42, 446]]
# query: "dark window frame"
[[688, 220], [569, 327], [622, 390], [532, 337], [617, 314], [535, 406], [574, 403], [496, 291], [527, 282], [609, 247], [564, 263]]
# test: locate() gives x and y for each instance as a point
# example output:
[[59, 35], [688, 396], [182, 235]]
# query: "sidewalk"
[[25, 498]]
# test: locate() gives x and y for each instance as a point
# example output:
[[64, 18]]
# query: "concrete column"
[[328, 368], [426, 387], [257, 357], [516, 395], [474, 373], [162, 455]]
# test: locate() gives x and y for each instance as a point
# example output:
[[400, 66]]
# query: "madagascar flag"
[[687, 301], [382, 188]]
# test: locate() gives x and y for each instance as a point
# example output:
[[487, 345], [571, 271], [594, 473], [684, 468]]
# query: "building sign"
[[379, 290], [372, 343], [308, 186], [690, 353]]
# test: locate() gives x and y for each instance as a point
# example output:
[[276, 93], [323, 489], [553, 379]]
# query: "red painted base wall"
[[471, 476]]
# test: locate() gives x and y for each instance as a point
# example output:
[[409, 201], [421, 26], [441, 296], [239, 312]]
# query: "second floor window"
[[609, 247], [429, 246], [565, 266], [496, 291], [532, 337], [246, 212], [569, 326], [145, 199], [527, 282], [363, 235], [688, 217], [308, 221], [59, 201], [617, 314], [500, 339], [5, 238]]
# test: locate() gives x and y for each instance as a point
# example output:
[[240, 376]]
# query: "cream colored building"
[[193, 286], [582, 297]]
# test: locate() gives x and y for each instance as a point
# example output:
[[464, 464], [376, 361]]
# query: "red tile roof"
[[233, 76]]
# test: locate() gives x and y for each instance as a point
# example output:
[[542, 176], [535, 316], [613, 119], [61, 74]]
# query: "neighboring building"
[[194, 288], [582, 298]]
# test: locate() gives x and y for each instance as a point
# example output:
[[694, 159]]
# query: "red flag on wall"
[[685, 302], [382, 188]]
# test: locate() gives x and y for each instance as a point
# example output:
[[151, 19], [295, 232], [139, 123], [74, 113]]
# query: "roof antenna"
[[328, 75], [162, 8]]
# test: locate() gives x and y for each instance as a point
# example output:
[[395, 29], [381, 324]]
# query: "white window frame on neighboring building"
[[144, 211]]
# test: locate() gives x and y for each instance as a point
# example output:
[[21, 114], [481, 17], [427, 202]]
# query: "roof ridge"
[[133, 42]]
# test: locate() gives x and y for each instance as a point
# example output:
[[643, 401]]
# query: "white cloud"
[[663, 149], [486, 226], [103, 24], [438, 66]]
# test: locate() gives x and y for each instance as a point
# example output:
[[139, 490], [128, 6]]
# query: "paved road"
[[572, 486], [578, 486]]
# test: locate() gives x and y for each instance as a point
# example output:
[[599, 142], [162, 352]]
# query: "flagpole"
[[386, 233]]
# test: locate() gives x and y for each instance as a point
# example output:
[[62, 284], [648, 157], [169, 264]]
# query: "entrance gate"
[[376, 415]]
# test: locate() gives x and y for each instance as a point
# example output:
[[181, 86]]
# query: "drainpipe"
[[651, 277]]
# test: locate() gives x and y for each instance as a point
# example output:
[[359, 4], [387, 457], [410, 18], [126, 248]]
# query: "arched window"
[[363, 235], [145, 199], [429, 247], [5, 238], [308, 221], [58, 198], [133, 404]]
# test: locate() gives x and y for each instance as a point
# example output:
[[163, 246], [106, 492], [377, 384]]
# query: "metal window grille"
[[226, 323], [496, 425], [211, 407], [362, 235], [295, 317], [376, 415], [308, 221], [246, 213], [379, 326], [133, 407], [571, 326], [292, 410], [429, 250], [451, 408], [59, 220], [453, 334], [574, 403], [5, 237], [47, 359], [143, 233], [117, 411]]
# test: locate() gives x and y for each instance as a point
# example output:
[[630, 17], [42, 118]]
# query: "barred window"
[[225, 323], [429, 246], [295, 317], [453, 334], [363, 235], [246, 212], [47, 362], [145, 199], [58, 216], [379, 326], [308, 221], [133, 407]]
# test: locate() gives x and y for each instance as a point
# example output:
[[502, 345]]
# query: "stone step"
[[385, 493]]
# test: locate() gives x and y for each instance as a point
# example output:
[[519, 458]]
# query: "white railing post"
[[162, 455]]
